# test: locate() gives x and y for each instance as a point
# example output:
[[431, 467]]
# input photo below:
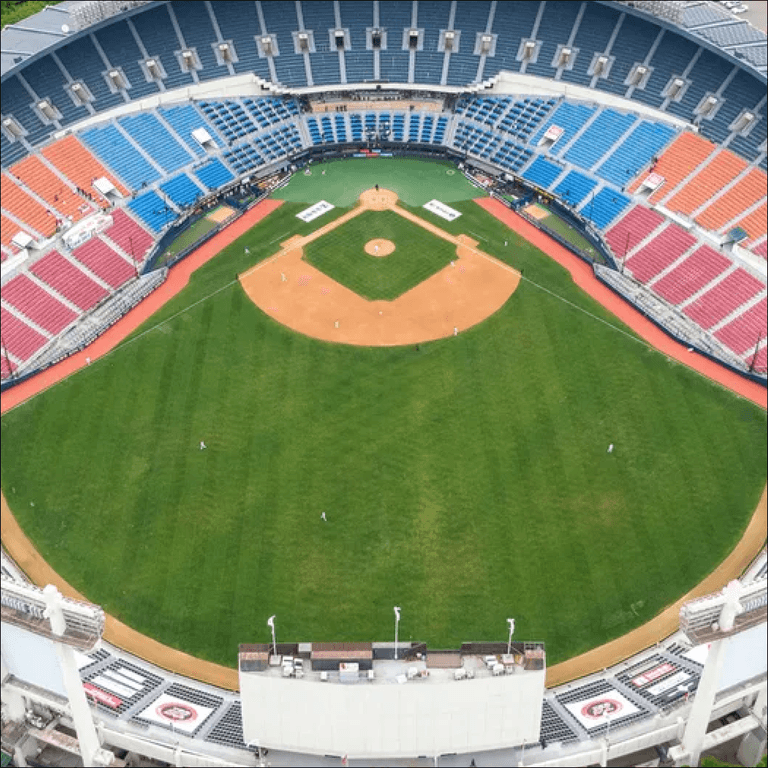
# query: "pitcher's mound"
[[379, 247]]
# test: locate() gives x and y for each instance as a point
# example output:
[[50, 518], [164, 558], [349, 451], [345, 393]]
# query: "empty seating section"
[[690, 276], [48, 82], [7, 367], [511, 156], [16, 201], [743, 332], [341, 128], [604, 207], [270, 111], [670, 59], [750, 145], [82, 61], [707, 75], [69, 281], [555, 27], [120, 48], [11, 151], [47, 185], [197, 30], [575, 187], [678, 161], [243, 158], [104, 262], [512, 21], [599, 138], [17, 102], [470, 19], [229, 118], [182, 190], [278, 143], [117, 152], [742, 92], [241, 28], [542, 172], [476, 141], [213, 174], [726, 297], [632, 229], [8, 229], [394, 16], [20, 339], [35, 303], [721, 170], [127, 234], [758, 361], [762, 249], [743, 195], [281, 20], [754, 224], [631, 46], [184, 120], [318, 18], [635, 152], [595, 29], [484, 109], [356, 17], [569, 117], [149, 133], [159, 37], [433, 16], [152, 210], [663, 250], [79, 165]]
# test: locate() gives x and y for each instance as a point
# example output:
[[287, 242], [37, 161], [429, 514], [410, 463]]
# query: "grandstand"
[[648, 131]]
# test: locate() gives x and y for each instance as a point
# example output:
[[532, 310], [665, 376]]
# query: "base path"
[[303, 298], [584, 277], [177, 279]]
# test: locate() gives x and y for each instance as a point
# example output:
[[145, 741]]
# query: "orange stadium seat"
[[735, 201], [79, 165], [687, 152], [754, 224], [45, 183], [721, 170], [26, 209], [8, 229]]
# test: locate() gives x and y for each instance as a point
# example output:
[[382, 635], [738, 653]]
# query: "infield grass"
[[418, 254], [465, 482]]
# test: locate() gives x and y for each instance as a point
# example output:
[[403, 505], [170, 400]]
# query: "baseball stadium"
[[383, 383]]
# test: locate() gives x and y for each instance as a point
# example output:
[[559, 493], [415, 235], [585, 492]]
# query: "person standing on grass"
[[203, 446]]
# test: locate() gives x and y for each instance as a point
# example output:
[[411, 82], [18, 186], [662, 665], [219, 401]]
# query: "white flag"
[[271, 621], [511, 623], [397, 612]]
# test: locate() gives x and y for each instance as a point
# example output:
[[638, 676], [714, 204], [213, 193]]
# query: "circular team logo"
[[176, 711], [601, 707], [450, 172]]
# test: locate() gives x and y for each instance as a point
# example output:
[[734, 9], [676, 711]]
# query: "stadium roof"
[[712, 23]]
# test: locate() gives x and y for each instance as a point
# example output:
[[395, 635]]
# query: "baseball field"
[[466, 480]]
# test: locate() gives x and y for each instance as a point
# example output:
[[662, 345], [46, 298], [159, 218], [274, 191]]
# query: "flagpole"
[[511, 623], [397, 623], [271, 624]]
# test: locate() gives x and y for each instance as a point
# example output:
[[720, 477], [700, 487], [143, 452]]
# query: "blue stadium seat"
[[555, 28], [184, 119], [182, 190], [318, 17], [359, 61], [635, 152], [115, 150], [280, 19], [606, 205], [120, 48], [195, 25], [48, 81], [16, 102], [598, 139], [433, 16], [152, 210], [394, 16], [512, 22], [213, 174], [595, 30], [542, 172], [574, 188], [147, 131], [569, 117]]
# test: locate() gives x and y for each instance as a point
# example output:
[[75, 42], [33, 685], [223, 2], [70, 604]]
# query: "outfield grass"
[[466, 482], [418, 254], [415, 181], [188, 237]]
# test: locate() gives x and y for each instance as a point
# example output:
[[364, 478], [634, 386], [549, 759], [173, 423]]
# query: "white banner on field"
[[442, 210], [314, 211], [174, 711], [591, 713]]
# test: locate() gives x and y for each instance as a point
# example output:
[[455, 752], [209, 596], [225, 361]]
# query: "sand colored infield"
[[536, 211], [379, 247], [306, 300], [222, 213]]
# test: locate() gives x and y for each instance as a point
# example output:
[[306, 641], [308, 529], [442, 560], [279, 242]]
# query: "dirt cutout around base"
[[301, 297], [379, 247]]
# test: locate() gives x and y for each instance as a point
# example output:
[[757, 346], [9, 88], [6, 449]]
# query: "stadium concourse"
[[124, 125]]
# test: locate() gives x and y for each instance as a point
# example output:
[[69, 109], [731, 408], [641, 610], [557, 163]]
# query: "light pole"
[[271, 623], [397, 625], [511, 623]]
